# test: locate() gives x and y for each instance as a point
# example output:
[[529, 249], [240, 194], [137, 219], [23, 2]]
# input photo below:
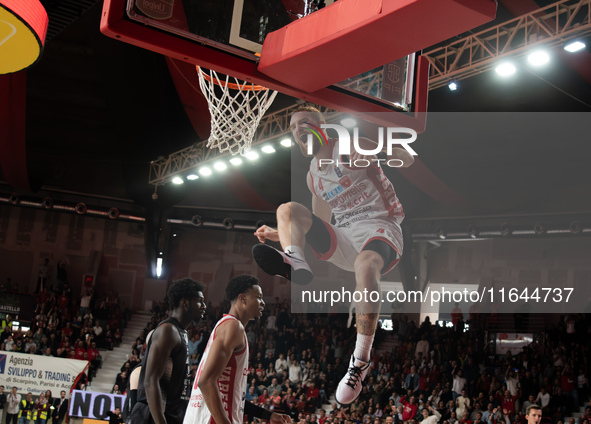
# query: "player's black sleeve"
[[252, 410]]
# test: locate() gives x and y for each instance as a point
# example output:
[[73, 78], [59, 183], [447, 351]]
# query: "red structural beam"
[[350, 37]]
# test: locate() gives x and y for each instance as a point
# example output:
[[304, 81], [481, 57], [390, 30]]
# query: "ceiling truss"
[[476, 53]]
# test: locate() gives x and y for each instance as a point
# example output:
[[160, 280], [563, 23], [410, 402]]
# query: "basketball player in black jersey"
[[164, 379]]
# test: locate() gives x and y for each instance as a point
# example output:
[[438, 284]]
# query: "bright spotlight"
[[505, 69], [220, 166], [538, 58], [192, 177], [236, 161], [575, 46], [205, 171], [452, 86], [252, 155], [158, 267], [268, 149], [286, 142], [348, 122], [177, 180]]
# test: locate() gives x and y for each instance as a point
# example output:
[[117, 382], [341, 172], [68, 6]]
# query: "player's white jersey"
[[354, 194], [232, 386]]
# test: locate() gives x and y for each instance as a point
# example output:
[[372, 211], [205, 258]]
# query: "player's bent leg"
[[293, 222], [368, 266]]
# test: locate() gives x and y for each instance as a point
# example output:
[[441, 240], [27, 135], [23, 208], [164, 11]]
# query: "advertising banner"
[[36, 374], [94, 405]]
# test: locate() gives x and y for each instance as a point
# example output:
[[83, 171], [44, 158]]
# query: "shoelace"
[[354, 375]]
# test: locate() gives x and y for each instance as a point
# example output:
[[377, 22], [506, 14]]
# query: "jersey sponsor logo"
[[337, 171], [332, 193], [345, 197], [345, 181], [349, 215]]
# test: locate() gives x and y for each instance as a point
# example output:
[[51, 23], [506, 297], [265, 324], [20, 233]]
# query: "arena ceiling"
[[99, 110]]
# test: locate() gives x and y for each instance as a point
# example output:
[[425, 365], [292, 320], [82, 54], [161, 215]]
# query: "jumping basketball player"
[[219, 391], [366, 238], [164, 378]]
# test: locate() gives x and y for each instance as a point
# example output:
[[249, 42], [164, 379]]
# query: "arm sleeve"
[[251, 409]]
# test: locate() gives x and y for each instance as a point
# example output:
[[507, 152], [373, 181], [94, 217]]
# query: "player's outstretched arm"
[[264, 233], [164, 340], [229, 337]]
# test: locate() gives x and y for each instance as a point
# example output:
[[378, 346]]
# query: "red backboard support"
[[116, 23], [350, 37]]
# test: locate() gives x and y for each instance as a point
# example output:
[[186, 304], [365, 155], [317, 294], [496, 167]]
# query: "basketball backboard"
[[229, 37]]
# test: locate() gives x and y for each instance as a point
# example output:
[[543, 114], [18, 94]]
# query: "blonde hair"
[[310, 108]]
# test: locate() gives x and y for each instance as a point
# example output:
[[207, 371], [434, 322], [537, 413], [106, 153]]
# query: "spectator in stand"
[[12, 409], [512, 381], [251, 395], [60, 408], [41, 409], [26, 407], [263, 398], [465, 418], [117, 337], [411, 382], [281, 364], [2, 402], [568, 385], [530, 401], [108, 337], [410, 408], [430, 419], [459, 382], [543, 399], [295, 370], [97, 332], [63, 301], [276, 401], [115, 417], [30, 346], [193, 345], [422, 347], [312, 395], [79, 351], [462, 404], [121, 379]]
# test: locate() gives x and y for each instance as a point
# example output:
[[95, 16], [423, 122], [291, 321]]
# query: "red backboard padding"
[[114, 23], [350, 37]]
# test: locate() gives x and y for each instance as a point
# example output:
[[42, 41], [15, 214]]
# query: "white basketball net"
[[236, 114]]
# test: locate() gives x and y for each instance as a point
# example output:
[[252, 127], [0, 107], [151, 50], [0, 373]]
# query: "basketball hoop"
[[236, 114]]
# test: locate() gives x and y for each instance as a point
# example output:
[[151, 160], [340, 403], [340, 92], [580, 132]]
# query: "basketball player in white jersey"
[[219, 390], [365, 239]]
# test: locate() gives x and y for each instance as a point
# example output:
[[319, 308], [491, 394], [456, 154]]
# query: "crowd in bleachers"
[[296, 361], [65, 324]]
